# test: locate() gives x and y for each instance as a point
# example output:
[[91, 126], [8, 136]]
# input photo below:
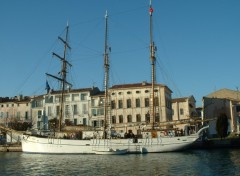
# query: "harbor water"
[[193, 162]]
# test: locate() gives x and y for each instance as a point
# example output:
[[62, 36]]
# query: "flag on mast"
[[47, 87]]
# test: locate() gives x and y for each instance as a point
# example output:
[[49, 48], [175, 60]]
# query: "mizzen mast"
[[153, 61], [63, 74]]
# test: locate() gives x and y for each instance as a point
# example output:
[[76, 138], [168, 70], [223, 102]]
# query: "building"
[[15, 109], [183, 110], [131, 106], [222, 101]]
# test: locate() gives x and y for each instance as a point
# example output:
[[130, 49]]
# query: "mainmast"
[[153, 61], [63, 73], [106, 79]]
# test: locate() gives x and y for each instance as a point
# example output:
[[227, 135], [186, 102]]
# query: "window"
[[157, 117], [129, 92], [181, 111], [113, 104], [129, 103], [138, 117], [94, 112], [137, 92], [67, 110], [26, 115], [75, 110], [113, 119], [137, 103], [49, 110], [84, 96], [39, 114], [156, 102], [75, 97], [18, 115], [120, 118], [84, 108], [129, 118], [147, 118], [120, 104], [92, 102], [58, 110], [146, 102]]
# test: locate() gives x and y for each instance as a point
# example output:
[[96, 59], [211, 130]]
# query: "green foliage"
[[222, 125]]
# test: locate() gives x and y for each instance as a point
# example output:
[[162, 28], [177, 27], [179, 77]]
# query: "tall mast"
[[153, 61], [63, 73], [106, 78]]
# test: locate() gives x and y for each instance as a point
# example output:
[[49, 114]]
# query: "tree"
[[222, 125]]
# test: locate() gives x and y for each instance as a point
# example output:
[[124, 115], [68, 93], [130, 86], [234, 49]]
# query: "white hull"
[[32, 144]]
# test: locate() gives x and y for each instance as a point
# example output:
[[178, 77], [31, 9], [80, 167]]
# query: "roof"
[[225, 94], [136, 85], [183, 99]]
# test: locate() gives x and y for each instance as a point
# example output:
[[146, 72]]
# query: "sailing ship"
[[150, 142]]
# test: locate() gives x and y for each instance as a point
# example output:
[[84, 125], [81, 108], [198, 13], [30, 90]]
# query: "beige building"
[[183, 110], [15, 109], [131, 106], [222, 101]]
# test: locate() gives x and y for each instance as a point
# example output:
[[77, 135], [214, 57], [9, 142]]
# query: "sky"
[[198, 44]]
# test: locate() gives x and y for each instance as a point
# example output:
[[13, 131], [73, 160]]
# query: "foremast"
[[153, 63], [63, 74], [107, 118]]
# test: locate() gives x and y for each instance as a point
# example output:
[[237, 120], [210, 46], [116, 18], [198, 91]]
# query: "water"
[[195, 162]]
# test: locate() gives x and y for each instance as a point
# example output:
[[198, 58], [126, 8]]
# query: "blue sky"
[[198, 44]]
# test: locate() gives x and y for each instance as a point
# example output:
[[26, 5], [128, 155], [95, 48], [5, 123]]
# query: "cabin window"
[[137, 92], [146, 91], [129, 92]]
